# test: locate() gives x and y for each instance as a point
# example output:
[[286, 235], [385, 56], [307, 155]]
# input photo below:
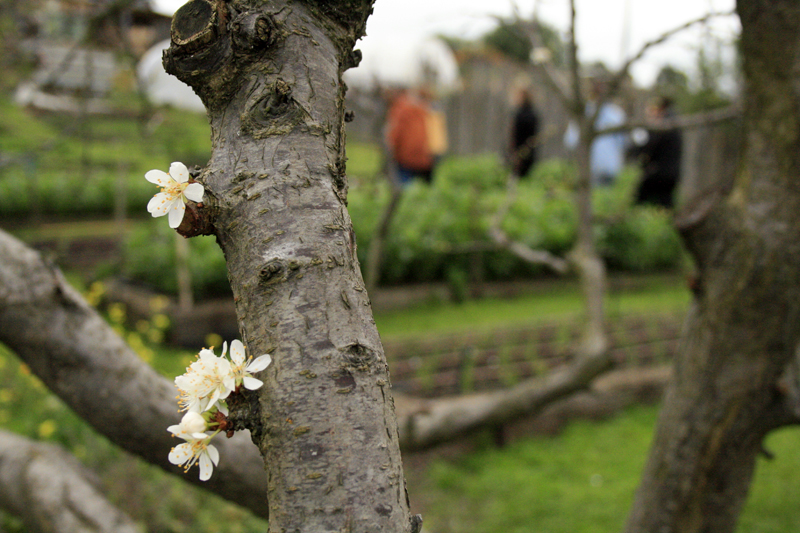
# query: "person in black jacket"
[[661, 161], [524, 130]]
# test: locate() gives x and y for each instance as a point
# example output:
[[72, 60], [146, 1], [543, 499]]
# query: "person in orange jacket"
[[413, 136]]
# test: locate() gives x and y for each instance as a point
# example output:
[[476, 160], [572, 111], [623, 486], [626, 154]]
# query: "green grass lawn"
[[583, 481], [558, 300]]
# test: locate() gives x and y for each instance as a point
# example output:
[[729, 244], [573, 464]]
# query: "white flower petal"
[[213, 454], [176, 214], [207, 355], [159, 205], [229, 382], [212, 400], [206, 467], [252, 383], [224, 366], [194, 192], [260, 363], [179, 172], [237, 352], [180, 453], [159, 177], [199, 405], [175, 430], [225, 393]]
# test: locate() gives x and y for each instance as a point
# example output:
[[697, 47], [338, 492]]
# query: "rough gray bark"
[[52, 492], [269, 74], [744, 325], [82, 360]]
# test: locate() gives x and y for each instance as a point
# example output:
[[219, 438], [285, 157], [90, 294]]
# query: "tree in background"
[[510, 40], [735, 379]]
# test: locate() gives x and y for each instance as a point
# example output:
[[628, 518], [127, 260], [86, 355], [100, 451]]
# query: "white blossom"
[[206, 383], [191, 423], [244, 367], [175, 190], [196, 449], [208, 380]]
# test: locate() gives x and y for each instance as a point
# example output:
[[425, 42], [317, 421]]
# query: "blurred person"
[[660, 158], [435, 127], [413, 135], [607, 153], [524, 131]]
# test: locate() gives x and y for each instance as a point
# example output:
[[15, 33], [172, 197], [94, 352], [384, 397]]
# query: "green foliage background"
[[437, 226]]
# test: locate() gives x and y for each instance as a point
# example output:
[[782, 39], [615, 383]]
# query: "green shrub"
[[52, 164], [435, 224], [643, 240], [149, 258], [436, 227]]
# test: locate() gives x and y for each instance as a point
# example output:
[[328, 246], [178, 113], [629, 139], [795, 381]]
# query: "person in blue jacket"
[[607, 153]]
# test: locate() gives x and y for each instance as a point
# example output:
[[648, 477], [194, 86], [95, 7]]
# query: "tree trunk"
[[590, 267], [269, 74], [744, 326]]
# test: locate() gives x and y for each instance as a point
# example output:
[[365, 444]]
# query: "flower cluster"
[[203, 390], [175, 190]]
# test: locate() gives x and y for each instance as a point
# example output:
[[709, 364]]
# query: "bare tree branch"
[[521, 250], [375, 253], [527, 253], [52, 492], [578, 101], [68, 345], [546, 69], [695, 120], [85, 362], [616, 81]]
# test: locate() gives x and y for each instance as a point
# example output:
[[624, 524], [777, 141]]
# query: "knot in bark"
[[201, 49], [273, 112], [252, 31], [272, 272], [194, 25]]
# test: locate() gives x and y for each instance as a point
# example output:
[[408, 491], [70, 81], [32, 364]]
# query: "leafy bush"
[[436, 227], [149, 258], [54, 164], [642, 240]]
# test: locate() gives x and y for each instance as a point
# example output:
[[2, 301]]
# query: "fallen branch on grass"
[[424, 424]]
